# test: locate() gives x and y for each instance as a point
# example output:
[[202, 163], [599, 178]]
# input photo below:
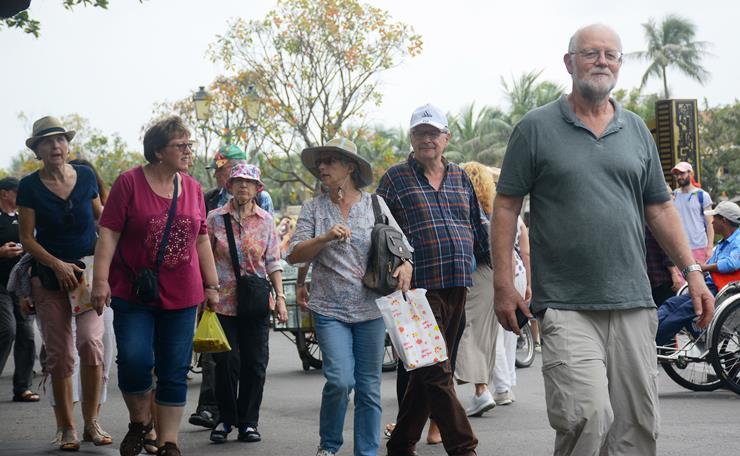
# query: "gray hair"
[[573, 42]]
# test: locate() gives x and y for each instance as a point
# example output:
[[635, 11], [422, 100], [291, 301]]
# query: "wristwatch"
[[212, 287], [691, 268], [280, 295]]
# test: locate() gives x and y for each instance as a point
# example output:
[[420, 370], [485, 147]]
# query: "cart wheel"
[[525, 348], [195, 366], [309, 351], [390, 359], [689, 371], [725, 349]]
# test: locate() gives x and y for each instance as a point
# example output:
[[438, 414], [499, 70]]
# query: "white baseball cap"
[[728, 210], [429, 115]]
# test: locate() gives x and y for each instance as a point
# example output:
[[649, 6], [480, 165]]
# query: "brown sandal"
[[95, 434], [68, 440], [133, 441]]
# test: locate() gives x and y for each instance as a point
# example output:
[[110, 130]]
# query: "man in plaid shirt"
[[435, 205]]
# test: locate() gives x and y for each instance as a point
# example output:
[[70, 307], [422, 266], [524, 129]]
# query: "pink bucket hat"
[[249, 172]]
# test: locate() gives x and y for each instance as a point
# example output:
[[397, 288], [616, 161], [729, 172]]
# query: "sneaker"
[[481, 404], [249, 434], [203, 418], [538, 347], [505, 398], [220, 433], [323, 452]]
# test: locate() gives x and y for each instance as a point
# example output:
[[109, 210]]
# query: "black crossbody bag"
[[252, 292], [146, 281]]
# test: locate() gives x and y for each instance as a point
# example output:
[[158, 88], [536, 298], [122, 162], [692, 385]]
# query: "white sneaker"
[[481, 404], [505, 398], [323, 452]]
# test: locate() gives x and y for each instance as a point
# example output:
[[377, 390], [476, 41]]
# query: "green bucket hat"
[[226, 153]]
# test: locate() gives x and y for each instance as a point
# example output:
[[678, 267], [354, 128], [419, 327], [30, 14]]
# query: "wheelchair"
[[711, 360]]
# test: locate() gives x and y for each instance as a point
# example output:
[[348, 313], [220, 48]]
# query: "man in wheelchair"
[[678, 312]]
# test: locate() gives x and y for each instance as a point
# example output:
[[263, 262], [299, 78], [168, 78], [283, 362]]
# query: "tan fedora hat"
[[47, 126], [346, 149]]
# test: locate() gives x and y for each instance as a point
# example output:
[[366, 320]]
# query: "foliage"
[[634, 100], [315, 65], [27, 24], [719, 136], [671, 44]]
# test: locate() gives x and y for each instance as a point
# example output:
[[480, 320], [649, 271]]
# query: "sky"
[[112, 66]]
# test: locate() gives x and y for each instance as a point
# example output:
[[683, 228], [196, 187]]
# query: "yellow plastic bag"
[[209, 336]]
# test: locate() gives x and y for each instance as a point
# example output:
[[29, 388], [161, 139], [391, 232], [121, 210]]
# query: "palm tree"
[[671, 44]]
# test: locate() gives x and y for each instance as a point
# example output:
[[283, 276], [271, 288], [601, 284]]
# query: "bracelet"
[[280, 295], [300, 284], [691, 268], [212, 287]]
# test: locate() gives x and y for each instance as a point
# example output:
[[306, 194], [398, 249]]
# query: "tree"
[[22, 20], [525, 93], [635, 101], [719, 136], [316, 66], [671, 44]]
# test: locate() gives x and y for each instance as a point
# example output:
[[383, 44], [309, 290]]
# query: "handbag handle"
[[232, 245], [379, 216]]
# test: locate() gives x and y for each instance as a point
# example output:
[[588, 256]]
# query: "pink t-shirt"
[[140, 215]]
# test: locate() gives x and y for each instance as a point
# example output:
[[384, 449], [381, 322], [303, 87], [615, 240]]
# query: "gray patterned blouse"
[[336, 278]]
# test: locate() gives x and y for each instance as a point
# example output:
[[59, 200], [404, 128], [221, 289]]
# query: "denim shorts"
[[150, 338]]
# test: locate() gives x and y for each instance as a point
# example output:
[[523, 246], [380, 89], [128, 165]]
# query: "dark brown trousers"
[[431, 389]]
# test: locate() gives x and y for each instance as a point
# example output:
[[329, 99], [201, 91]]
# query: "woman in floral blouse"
[[258, 253], [333, 233]]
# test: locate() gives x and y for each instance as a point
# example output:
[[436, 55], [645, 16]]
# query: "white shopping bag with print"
[[80, 298], [413, 328]]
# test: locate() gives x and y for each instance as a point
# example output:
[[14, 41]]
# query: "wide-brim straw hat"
[[345, 149], [48, 126]]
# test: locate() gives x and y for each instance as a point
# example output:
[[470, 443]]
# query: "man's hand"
[[301, 296], [505, 302], [702, 299], [403, 273], [281, 312], [10, 250]]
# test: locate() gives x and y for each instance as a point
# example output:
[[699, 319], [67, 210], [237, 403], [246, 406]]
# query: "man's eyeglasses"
[[593, 55], [432, 134], [182, 147], [328, 161], [68, 217]]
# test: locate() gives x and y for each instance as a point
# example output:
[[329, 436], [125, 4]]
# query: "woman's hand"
[[337, 232], [212, 298], [281, 312], [403, 274], [67, 274], [100, 295]]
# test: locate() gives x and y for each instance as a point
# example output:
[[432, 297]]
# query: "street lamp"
[[202, 104]]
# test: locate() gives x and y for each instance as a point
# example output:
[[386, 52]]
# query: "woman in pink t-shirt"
[[156, 335]]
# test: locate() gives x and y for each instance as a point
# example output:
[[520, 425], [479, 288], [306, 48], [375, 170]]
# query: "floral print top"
[[336, 279], [258, 250]]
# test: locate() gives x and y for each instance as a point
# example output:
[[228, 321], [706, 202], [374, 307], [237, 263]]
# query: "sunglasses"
[[328, 161], [68, 217]]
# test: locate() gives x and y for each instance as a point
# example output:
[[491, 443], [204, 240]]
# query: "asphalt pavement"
[[694, 424]]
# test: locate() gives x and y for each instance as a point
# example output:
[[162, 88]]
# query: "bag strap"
[[232, 245], [379, 216], [167, 226]]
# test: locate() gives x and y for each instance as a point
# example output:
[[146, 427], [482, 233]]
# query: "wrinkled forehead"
[[595, 36]]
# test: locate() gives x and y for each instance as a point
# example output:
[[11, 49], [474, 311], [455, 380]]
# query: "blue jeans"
[[353, 359], [676, 313], [150, 337]]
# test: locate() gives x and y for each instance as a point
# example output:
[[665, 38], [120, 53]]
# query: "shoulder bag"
[[252, 292]]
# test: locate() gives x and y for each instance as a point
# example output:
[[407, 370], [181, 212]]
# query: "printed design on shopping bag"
[[413, 328], [80, 299]]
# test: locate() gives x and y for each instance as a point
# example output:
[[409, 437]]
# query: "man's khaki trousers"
[[600, 376]]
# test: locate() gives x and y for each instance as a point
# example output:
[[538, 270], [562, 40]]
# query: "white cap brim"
[[436, 125]]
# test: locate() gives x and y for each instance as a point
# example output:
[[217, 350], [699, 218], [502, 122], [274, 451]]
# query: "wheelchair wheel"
[[390, 359], [725, 349], [524, 347], [693, 374]]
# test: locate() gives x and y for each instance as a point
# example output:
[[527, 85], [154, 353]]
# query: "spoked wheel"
[[308, 350], [390, 359], [689, 371], [725, 348], [195, 366], [524, 347]]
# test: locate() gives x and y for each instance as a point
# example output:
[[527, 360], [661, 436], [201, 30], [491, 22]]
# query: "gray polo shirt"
[[587, 201]]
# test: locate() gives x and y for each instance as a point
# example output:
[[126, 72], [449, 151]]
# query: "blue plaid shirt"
[[444, 226]]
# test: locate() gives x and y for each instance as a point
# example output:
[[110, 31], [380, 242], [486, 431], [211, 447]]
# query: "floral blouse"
[[258, 250], [336, 278]]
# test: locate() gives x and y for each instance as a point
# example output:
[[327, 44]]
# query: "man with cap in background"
[[692, 202], [678, 312], [434, 203], [14, 326], [229, 154]]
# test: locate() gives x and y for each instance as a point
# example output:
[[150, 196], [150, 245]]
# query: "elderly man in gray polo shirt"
[[594, 178]]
